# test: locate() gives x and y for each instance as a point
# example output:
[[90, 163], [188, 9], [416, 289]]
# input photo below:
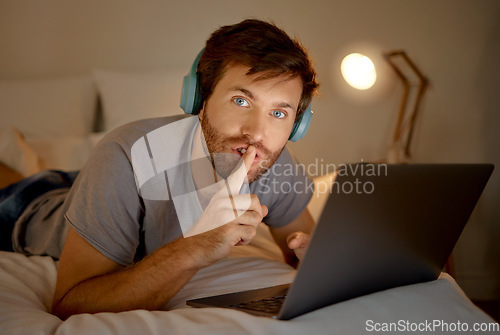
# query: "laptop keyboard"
[[267, 305]]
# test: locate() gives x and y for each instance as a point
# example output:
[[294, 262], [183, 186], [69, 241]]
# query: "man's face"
[[243, 111]]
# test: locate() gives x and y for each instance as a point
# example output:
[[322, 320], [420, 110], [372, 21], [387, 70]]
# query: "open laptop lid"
[[384, 226]]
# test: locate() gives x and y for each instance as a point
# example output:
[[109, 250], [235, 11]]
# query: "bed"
[[54, 123]]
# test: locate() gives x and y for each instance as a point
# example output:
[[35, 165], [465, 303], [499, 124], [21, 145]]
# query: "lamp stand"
[[399, 147]]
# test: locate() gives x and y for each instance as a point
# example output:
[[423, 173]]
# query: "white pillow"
[[16, 153], [63, 106], [129, 96], [66, 153]]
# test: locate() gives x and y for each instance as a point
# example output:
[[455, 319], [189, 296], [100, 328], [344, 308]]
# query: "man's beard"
[[224, 161]]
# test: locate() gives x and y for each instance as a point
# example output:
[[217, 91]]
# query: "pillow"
[[66, 153], [16, 154], [63, 106], [129, 96]]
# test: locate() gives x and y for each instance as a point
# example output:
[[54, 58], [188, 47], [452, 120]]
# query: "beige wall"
[[455, 43]]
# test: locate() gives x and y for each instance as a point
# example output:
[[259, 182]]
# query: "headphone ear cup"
[[191, 95], [300, 127]]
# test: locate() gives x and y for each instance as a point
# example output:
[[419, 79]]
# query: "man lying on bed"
[[147, 211]]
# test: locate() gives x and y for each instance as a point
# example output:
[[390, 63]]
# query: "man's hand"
[[293, 238], [230, 218], [228, 206], [298, 242]]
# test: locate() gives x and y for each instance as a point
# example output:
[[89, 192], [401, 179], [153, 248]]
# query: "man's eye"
[[241, 102], [279, 114]]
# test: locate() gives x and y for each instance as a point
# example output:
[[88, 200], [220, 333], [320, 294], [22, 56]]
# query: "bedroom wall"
[[454, 42]]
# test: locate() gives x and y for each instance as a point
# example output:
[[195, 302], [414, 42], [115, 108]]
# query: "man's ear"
[[201, 114]]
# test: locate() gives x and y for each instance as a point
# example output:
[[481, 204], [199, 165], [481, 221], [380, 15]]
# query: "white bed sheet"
[[27, 285]]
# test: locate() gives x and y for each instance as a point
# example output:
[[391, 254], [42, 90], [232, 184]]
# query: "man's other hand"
[[298, 242]]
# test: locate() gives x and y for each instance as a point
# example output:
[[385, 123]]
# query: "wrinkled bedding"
[[27, 285]]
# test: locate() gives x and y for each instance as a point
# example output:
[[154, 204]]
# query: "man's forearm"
[[148, 284]]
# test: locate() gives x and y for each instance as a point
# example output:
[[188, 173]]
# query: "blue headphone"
[[191, 102]]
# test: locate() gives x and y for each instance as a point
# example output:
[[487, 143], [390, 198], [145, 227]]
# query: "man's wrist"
[[182, 253]]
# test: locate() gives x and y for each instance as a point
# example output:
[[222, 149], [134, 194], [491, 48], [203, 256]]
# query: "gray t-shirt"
[[127, 199]]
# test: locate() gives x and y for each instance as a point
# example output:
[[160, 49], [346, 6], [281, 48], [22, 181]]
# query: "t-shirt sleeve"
[[285, 189], [104, 205]]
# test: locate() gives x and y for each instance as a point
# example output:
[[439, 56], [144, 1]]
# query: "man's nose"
[[255, 126]]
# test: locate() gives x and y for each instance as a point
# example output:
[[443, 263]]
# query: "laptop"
[[383, 226]]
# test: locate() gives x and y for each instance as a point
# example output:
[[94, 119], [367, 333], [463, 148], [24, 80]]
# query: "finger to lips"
[[238, 175]]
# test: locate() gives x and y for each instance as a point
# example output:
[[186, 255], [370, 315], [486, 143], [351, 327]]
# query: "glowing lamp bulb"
[[359, 71]]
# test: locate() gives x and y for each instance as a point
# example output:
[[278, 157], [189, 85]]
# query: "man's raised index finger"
[[239, 174]]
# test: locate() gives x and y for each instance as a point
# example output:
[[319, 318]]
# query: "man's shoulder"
[[285, 161], [129, 133], [144, 126]]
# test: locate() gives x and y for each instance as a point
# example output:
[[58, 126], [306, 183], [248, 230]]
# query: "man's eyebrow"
[[244, 91], [251, 96], [285, 105]]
